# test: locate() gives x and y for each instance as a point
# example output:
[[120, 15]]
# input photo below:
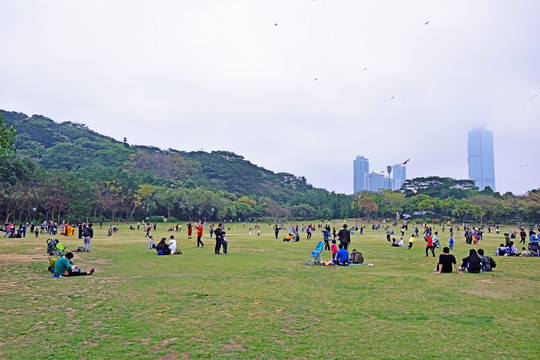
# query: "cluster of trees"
[[449, 199], [66, 171], [29, 192]]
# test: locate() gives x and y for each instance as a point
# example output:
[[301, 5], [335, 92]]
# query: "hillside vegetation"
[[67, 171]]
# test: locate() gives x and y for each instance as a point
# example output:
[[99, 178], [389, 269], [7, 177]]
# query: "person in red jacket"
[[199, 234], [429, 245], [189, 230]]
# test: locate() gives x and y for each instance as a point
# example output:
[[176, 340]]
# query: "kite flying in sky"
[[427, 22], [405, 163], [392, 98]]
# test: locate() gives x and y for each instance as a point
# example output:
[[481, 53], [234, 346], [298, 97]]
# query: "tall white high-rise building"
[[481, 158]]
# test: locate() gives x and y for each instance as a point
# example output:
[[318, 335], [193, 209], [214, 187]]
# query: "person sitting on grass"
[[446, 260], [487, 262], [63, 267], [163, 247], [511, 249], [342, 256], [524, 252], [287, 238], [472, 262], [172, 245], [501, 250]]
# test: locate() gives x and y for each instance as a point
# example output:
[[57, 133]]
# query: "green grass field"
[[261, 302]]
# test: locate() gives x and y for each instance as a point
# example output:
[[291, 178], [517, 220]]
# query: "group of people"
[[165, 247], [476, 262]]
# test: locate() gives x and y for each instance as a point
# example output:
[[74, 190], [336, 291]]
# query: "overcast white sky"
[[282, 82]]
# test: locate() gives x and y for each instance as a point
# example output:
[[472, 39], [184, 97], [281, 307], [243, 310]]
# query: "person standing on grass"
[[344, 237], [200, 234], [189, 230], [446, 260], [224, 242], [326, 239], [87, 234], [436, 239], [334, 250], [151, 242], [63, 267], [451, 242], [218, 233], [429, 245]]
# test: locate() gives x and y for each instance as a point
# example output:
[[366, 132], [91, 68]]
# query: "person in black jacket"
[[472, 262], [344, 236], [87, 235], [218, 233], [162, 246]]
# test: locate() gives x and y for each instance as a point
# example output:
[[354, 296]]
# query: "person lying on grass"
[[63, 267]]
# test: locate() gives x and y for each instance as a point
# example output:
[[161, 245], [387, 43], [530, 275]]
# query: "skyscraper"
[[400, 176], [360, 168], [481, 158]]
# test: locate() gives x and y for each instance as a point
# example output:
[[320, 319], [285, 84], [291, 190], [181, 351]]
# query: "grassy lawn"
[[261, 301]]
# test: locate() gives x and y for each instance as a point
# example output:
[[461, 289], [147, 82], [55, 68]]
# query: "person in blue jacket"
[[342, 256]]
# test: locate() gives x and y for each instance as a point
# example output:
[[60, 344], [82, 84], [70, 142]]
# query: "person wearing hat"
[[63, 267]]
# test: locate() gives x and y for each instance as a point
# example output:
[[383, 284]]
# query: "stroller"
[[55, 249], [315, 257]]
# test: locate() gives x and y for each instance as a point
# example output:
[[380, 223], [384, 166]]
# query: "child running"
[[411, 241]]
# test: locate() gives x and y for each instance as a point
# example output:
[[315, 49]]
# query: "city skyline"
[[363, 180]]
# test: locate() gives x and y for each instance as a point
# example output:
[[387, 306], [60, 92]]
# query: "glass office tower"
[[360, 168], [400, 176], [481, 158]]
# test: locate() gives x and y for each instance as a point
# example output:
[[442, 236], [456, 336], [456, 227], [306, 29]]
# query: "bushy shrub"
[[155, 219], [172, 219]]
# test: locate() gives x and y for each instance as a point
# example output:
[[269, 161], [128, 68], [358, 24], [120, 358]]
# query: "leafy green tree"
[[7, 137], [467, 210], [435, 186], [391, 203], [500, 211], [412, 203], [304, 210]]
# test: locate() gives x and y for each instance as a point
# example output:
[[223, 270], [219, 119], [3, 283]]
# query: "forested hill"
[[73, 146]]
